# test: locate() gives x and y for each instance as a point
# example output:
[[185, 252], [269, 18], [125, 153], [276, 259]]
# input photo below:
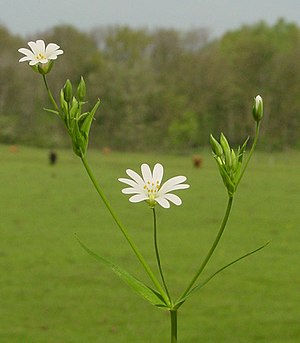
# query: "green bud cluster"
[[229, 161], [77, 122]]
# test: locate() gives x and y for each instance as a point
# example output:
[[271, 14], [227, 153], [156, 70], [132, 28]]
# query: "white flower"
[[149, 186], [40, 53]]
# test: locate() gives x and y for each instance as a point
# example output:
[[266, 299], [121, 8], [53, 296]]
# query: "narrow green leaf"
[[242, 149], [180, 301], [51, 111], [138, 286]]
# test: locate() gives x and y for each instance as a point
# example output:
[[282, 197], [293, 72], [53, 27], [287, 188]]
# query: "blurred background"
[[171, 72], [168, 74]]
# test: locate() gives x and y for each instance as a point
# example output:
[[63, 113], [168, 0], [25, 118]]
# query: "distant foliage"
[[162, 89]]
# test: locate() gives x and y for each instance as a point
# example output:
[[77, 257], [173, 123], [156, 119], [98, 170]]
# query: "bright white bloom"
[[40, 53], [149, 186]]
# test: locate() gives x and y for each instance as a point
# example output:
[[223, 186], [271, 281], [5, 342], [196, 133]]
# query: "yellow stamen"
[[40, 56]]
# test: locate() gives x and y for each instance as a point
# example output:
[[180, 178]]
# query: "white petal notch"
[[40, 53], [149, 186]]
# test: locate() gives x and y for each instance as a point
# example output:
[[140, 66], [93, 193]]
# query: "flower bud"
[[226, 149], [258, 108], [68, 91], [81, 90], [215, 145]]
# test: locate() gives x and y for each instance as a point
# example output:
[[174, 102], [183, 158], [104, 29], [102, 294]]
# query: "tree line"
[[160, 89]]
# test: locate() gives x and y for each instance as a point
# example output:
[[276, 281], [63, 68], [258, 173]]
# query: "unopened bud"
[[258, 108], [81, 90], [215, 145], [68, 91]]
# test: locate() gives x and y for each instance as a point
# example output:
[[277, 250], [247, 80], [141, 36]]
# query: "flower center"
[[40, 56], [152, 188]]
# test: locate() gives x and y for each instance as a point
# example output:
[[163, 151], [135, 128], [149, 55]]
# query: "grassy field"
[[52, 291]]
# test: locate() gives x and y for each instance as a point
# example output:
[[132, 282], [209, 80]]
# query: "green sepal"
[[43, 68], [180, 301], [146, 292], [234, 161], [226, 149], [227, 180], [78, 140], [242, 149], [73, 113], [86, 123]]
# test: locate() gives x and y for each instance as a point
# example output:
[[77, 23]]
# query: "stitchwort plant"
[[148, 187]]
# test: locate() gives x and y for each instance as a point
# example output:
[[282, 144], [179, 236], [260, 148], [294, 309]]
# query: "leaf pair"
[[151, 295]]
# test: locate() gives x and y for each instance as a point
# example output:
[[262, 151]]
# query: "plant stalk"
[[173, 314], [50, 94], [157, 254], [250, 154]]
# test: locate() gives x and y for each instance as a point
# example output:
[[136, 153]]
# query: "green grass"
[[52, 291]]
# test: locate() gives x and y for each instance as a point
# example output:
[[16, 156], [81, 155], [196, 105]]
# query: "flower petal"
[[128, 182], [33, 62], [163, 202], [131, 191], [40, 46], [176, 187], [173, 198], [169, 184], [136, 177], [138, 198], [158, 172], [51, 48], [33, 47], [26, 52], [54, 55], [146, 172], [25, 58]]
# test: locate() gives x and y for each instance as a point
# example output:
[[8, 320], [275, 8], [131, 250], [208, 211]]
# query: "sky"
[[28, 17]]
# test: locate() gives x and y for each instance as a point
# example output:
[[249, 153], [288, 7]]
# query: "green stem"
[[50, 94], [250, 154], [173, 314], [212, 249], [123, 230], [157, 254]]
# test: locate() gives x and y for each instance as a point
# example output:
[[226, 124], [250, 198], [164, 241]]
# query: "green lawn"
[[52, 291]]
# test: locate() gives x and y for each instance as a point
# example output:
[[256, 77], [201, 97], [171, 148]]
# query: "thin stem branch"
[[124, 232], [157, 254], [250, 154], [49, 93], [173, 314], [212, 249]]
